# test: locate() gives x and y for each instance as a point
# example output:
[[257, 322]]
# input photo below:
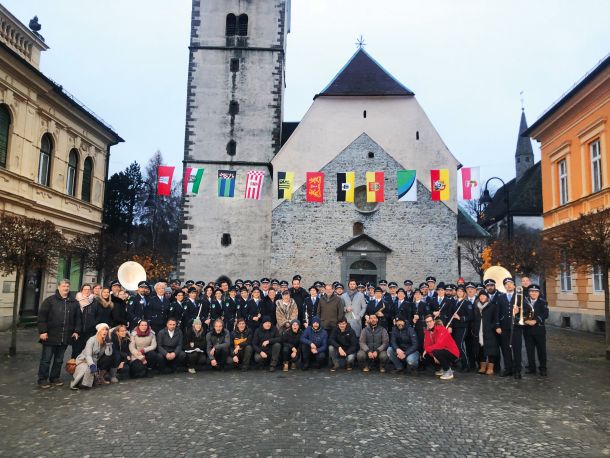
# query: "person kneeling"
[[194, 347], [169, 346], [291, 345], [314, 344], [242, 345], [403, 347], [266, 344], [218, 343], [343, 345], [440, 346], [94, 361], [374, 340], [142, 347]]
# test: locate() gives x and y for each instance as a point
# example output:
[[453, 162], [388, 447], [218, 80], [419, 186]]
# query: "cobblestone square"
[[315, 413]]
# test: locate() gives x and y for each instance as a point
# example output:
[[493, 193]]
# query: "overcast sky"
[[466, 60]]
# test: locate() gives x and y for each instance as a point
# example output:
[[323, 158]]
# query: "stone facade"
[[422, 235], [235, 94]]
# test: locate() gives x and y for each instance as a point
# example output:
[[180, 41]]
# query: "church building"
[[363, 121]]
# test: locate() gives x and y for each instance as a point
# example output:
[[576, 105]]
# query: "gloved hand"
[[93, 368]]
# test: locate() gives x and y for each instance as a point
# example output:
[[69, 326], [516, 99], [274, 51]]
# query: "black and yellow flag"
[[285, 182], [345, 186]]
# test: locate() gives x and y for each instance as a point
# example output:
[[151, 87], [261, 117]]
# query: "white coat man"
[[355, 306]]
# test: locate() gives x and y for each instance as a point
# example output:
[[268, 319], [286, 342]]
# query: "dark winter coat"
[[310, 308], [374, 338], [219, 342], [241, 339], [156, 312], [120, 314], [291, 338], [89, 318], [167, 344], [121, 349], [319, 338], [197, 341], [104, 314], [486, 318], [268, 309], [330, 310], [405, 339], [261, 334], [59, 318], [253, 309], [347, 340], [465, 311]]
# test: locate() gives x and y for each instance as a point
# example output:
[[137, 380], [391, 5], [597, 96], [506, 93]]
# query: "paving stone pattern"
[[314, 413]]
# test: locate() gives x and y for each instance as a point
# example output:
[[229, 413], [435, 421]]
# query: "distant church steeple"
[[524, 155]]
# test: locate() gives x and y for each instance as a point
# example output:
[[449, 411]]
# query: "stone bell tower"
[[233, 122]]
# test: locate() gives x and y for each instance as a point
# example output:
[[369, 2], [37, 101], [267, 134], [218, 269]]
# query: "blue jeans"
[[411, 359], [55, 352]]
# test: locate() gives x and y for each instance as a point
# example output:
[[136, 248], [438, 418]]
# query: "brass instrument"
[[498, 274], [519, 303], [130, 274]]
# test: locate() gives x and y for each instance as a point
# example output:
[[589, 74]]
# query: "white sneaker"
[[439, 373], [192, 370], [447, 375]]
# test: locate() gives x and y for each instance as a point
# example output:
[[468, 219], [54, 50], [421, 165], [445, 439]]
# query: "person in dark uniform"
[[268, 304], [442, 304], [230, 309], [242, 303], [192, 308], [431, 284], [177, 309], [216, 306], [137, 303], [391, 300], [459, 326], [377, 306], [536, 313], [404, 307], [265, 286], [421, 309], [471, 344], [505, 324], [310, 306], [408, 284], [157, 309], [253, 314]]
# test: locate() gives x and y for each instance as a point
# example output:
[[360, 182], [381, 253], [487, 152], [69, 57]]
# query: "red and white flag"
[[165, 174], [254, 183], [471, 186]]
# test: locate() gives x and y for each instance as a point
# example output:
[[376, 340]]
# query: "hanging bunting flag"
[[406, 185], [254, 184], [192, 180], [439, 184], [315, 187], [226, 183], [345, 186], [374, 186], [285, 182], [471, 186], [165, 174]]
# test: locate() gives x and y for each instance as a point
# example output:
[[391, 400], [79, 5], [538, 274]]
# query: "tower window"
[[371, 155], [233, 107], [242, 25], [225, 240], [364, 114], [234, 65], [358, 228], [417, 135], [231, 148], [231, 29]]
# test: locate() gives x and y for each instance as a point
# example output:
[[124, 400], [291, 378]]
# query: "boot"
[[113, 377], [490, 369], [293, 366], [483, 367], [285, 369]]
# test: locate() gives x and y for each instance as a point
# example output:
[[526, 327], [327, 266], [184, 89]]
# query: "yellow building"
[[573, 136], [53, 159]]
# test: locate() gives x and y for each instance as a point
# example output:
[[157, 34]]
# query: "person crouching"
[[218, 343], [94, 361], [440, 346], [314, 344], [266, 343]]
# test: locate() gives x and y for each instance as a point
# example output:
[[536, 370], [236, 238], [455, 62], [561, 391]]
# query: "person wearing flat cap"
[[95, 360]]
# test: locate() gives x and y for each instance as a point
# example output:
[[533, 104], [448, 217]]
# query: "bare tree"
[[473, 251], [585, 243]]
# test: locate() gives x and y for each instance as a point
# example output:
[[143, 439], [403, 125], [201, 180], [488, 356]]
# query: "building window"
[[231, 148], [565, 272], [242, 25], [364, 114], [563, 182], [71, 269], [358, 228], [71, 175], [596, 167], [360, 201], [598, 285], [417, 135], [234, 65], [87, 178], [233, 107], [225, 240], [5, 124], [231, 28], [44, 164]]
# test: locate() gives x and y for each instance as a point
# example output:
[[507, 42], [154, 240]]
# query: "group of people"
[[266, 323]]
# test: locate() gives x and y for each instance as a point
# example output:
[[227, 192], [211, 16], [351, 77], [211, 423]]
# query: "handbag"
[[71, 366]]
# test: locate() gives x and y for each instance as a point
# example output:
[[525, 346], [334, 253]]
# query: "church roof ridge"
[[362, 75]]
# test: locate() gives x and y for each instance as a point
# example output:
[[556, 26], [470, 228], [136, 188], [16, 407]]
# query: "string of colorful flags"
[[406, 184]]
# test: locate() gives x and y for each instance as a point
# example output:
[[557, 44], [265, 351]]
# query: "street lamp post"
[[486, 199]]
